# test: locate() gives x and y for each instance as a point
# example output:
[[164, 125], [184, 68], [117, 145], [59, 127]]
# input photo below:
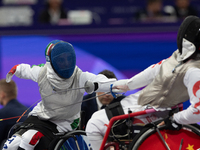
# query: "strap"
[[113, 94], [114, 109], [38, 122], [120, 129], [44, 126]]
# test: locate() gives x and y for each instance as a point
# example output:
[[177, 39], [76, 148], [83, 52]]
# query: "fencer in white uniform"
[[60, 105], [167, 83]]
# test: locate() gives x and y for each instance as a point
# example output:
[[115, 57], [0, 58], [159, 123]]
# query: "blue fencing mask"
[[62, 58]]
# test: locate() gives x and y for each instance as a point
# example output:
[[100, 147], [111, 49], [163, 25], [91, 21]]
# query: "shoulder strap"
[[114, 109]]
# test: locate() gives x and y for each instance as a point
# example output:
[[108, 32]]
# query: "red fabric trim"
[[106, 125], [157, 64], [49, 49], [196, 88], [13, 69], [36, 138]]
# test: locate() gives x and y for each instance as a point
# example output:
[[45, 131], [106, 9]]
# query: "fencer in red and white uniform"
[[167, 83]]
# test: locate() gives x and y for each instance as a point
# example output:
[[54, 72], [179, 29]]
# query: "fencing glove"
[[11, 73]]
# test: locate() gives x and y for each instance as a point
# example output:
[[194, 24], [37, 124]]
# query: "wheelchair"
[[151, 136], [73, 140], [148, 136]]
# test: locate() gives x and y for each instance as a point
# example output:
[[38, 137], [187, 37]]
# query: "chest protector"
[[168, 89], [59, 104]]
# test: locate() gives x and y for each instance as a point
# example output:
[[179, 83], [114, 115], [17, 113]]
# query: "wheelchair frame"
[[136, 141], [126, 116]]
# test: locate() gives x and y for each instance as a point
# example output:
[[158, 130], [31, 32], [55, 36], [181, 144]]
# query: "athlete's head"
[[188, 39], [62, 57]]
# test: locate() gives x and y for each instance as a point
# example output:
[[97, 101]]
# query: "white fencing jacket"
[[58, 105]]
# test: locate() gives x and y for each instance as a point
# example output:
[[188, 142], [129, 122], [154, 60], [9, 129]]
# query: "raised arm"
[[24, 71]]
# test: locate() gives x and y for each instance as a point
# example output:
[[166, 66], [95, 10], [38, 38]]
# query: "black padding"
[[96, 86], [44, 126], [19, 148], [114, 109]]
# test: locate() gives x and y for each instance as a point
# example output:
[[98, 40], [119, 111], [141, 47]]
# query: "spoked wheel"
[[150, 139], [75, 140]]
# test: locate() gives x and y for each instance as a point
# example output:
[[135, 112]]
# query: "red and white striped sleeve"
[[192, 113]]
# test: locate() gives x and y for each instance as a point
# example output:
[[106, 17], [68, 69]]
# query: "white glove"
[[120, 86], [11, 73], [90, 86]]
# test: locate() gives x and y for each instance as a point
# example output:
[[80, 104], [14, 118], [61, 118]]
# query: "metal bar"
[[77, 145], [181, 144], [162, 138]]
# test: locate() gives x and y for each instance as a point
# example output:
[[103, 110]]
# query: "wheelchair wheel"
[[75, 140], [150, 139]]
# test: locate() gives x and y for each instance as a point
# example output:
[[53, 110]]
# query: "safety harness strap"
[[114, 109], [120, 128]]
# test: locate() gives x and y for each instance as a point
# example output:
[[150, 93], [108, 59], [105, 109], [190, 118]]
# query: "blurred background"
[[124, 36]]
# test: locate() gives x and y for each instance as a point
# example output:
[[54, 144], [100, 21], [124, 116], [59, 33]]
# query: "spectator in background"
[[97, 103], [183, 8], [12, 107], [53, 12], [153, 12]]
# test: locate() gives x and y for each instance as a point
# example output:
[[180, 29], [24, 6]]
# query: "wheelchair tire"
[[72, 141], [149, 138]]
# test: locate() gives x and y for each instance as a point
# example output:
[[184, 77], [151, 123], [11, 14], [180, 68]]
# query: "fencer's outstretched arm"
[[97, 83], [24, 71], [140, 80]]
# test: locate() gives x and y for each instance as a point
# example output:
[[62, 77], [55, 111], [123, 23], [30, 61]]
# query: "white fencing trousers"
[[27, 141]]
